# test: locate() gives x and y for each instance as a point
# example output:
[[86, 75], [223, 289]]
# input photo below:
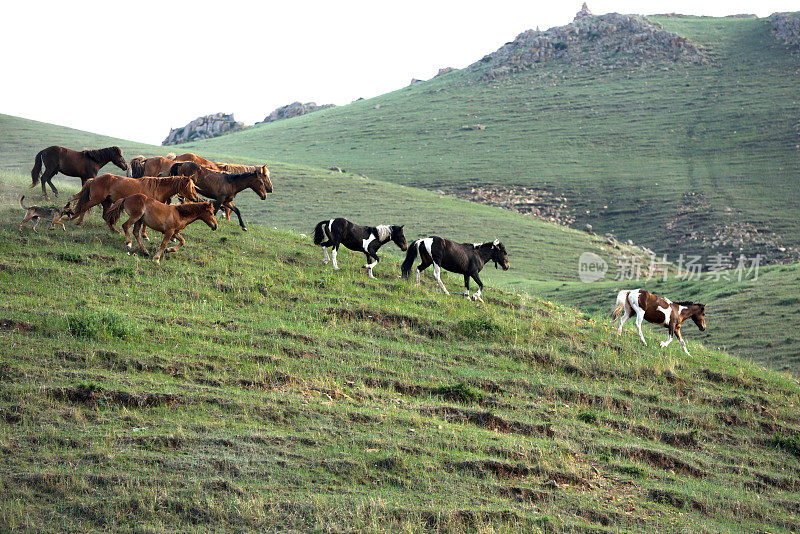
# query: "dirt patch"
[[539, 203], [489, 421], [731, 419], [391, 321], [93, 395], [8, 325], [684, 440], [589, 399], [270, 381], [660, 460], [494, 467], [676, 500], [720, 378], [526, 495], [12, 416]]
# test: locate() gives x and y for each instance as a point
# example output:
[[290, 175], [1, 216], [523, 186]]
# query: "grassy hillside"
[[676, 158], [242, 385]]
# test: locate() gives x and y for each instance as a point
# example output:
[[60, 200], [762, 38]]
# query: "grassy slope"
[[634, 141], [242, 385]]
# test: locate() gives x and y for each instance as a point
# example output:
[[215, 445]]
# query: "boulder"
[[786, 28], [203, 128], [295, 109]]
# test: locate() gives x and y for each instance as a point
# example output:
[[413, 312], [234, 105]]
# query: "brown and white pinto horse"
[[167, 219], [658, 310], [109, 188], [84, 164]]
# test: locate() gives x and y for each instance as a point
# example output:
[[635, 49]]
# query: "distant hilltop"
[[611, 40], [203, 128], [295, 109]]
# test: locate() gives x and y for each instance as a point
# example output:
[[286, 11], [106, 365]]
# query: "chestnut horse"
[[84, 164], [222, 187], [660, 311], [167, 219], [109, 188], [158, 166]]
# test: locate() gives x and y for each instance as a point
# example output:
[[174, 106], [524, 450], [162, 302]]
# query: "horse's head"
[[699, 315], [259, 186], [188, 190], [398, 237], [263, 173], [207, 215], [117, 158], [499, 255]]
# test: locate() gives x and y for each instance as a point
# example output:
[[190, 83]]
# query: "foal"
[[166, 218], [658, 310], [366, 239], [463, 258]]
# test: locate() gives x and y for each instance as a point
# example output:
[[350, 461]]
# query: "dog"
[[38, 212]]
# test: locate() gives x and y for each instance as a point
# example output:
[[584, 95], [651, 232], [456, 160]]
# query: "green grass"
[[256, 389], [627, 148]]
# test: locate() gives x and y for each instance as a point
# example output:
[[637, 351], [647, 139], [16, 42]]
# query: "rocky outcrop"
[[203, 128], [609, 40], [295, 109], [444, 70], [786, 27]]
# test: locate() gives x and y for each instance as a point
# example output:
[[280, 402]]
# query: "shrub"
[[460, 392], [98, 324], [588, 416]]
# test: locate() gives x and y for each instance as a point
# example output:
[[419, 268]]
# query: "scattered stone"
[[584, 12], [443, 71], [786, 27], [203, 128], [415, 81], [588, 229], [295, 109], [474, 127]]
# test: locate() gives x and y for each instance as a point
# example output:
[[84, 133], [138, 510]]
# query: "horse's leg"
[[106, 206], [230, 205], [126, 228], [680, 338], [421, 267], [137, 231], [626, 314], [181, 241], [163, 247], [665, 344], [466, 285], [477, 295], [437, 271], [28, 217], [325, 257], [372, 265], [46, 177], [35, 222], [639, 319], [334, 253]]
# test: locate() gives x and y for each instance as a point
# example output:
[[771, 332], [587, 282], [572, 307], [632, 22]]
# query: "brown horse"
[[84, 164], [660, 311], [199, 160], [109, 188], [167, 219], [223, 187], [158, 166]]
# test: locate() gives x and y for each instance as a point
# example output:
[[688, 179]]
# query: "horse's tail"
[[622, 297], [411, 255], [36, 171], [175, 169], [137, 167], [84, 196], [171, 155], [319, 233], [114, 212], [20, 202]]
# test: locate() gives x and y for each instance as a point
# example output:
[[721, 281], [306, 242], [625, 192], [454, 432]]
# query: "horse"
[[463, 258], [366, 239], [222, 187], [167, 219], [141, 166], [108, 188], [203, 162], [84, 164], [660, 311]]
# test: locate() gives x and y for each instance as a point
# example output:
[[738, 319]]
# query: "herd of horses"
[[145, 194]]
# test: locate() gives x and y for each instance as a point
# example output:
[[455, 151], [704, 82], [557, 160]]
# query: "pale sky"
[[135, 69]]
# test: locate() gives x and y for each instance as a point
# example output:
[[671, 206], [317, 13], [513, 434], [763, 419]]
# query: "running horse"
[[223, 187], [84, 164], [366, 239], [167, 219], [157, 166], [660, 311], [463, 258]]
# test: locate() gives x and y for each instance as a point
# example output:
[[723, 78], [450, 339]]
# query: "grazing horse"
[[658, 310], [463, 258], [222, 187], [84, 164], [366, 239], [167, 219], [158, 166], [108, 188]]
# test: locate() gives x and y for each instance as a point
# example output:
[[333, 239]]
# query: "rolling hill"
[[241, 385], [683, 157]]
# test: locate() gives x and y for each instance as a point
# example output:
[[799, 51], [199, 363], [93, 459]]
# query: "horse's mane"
[[232, 177], [235, 167], [191, 208], [101, 155], [687, 303]]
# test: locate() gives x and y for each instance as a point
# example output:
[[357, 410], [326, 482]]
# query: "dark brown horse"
[[108, 188], [84, 164], [158, 166], [223, 187], [169, 220]]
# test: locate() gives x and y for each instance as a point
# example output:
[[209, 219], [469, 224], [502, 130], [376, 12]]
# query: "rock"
[[415, 81], [474, 127], [444, 71], [786, 27], [204, 128], [295, 109], [588, 229], [610, 40], [584, 12]]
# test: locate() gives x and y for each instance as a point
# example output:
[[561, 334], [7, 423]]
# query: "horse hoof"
[[128, 246], [325, 262], [244, 229]]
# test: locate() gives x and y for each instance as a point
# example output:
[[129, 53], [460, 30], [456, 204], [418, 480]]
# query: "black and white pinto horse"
[[366, 239], [463, 258]]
